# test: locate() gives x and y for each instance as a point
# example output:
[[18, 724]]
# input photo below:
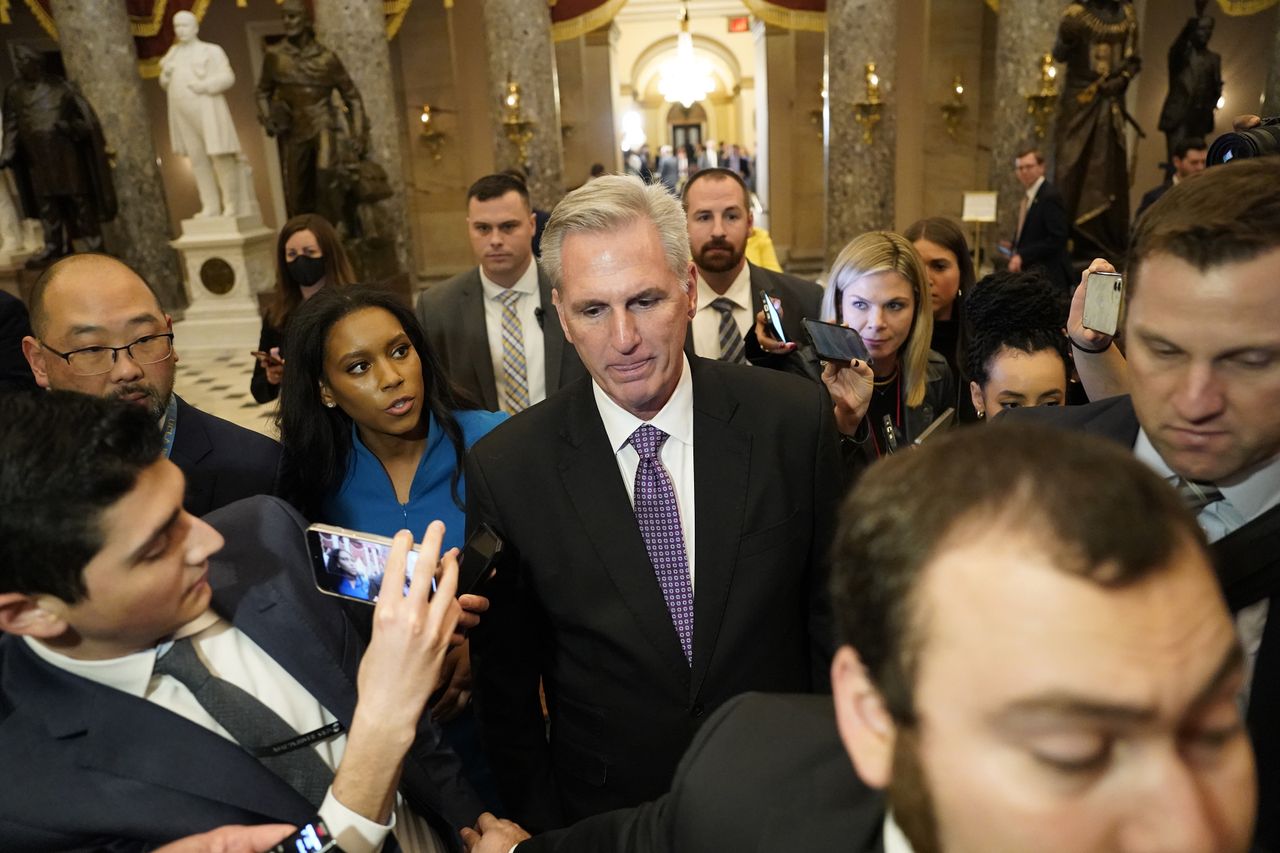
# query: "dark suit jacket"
[[1248, 566], [1043, 241], [221, 461], [1149, 198], [767, 773], [800, 299], [577, 603], [15, 373], [452, 313], [90, 767]]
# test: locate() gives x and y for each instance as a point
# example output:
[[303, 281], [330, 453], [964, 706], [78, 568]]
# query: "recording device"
[[313, 837], [1103, 299], [1260, 141], [834, 342], [479, 559], [940, 423], [539, 314], [775, 320], [350, 564]]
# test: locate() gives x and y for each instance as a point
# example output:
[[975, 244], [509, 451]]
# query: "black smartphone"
[[834, 342], [479, 559], [350, 564], [313, 837], [775, 320]]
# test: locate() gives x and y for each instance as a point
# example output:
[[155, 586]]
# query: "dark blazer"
[[221, 461], [1043, 241], [15, 373], [767, 773], [452, 313], [262, 390], [1149, 198], [578, 606], [800, 299], [1248, 566], [90, 767]]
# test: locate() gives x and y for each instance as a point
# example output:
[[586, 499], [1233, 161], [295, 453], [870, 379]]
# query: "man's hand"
[[850, 385], [1080, 334], [1015, 263], [472, 606], [232, 839], [764, 333], [493, 835], [455, 680]]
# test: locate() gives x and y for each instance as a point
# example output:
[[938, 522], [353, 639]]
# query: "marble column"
[[97, 50], [1271, 106], [356, 31], [1025, 32], [600, 136], [860, 175], [518, 41]]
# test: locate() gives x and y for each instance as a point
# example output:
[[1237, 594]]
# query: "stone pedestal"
[[1026, 30], [228, 261], [97, 49], [356, 31], [518, 41], [860, 175]]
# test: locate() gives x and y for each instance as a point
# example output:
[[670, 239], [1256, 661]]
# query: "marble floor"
[[217, 382]]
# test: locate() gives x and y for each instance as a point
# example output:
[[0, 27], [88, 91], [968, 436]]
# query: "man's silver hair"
[[609, 203]]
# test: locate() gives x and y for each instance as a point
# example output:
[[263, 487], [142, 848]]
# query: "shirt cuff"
[[354, 832]]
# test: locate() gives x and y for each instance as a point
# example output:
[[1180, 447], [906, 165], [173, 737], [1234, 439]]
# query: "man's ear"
[[35, 356], [560, 313], [691, 279], [37, 616], [168, 321], [866, 727]]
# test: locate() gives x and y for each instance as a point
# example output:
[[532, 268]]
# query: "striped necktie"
[[732, 347], [515, 391], [1196, 496]]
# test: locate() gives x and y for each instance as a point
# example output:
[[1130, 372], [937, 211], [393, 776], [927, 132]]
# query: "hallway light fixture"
[[518, 129], [686, 79], [867, 113], [1041, 104], [431, 133], [953, 111]]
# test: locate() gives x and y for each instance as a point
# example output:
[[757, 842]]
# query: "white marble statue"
[[195, 73]]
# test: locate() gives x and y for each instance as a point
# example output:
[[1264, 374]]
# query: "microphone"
[[538, 314]]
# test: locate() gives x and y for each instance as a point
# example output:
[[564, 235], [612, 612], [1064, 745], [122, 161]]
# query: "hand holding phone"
[[1103, 298], [774, 317], [834, 342]]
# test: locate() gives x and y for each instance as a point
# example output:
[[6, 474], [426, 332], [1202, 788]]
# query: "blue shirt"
[[367, 501]]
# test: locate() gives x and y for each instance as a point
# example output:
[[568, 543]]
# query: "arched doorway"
[[686, 126]]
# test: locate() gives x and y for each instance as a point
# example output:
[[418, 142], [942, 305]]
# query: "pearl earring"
[[330, 404]]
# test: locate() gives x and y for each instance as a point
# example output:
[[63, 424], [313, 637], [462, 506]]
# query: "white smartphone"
[[1103, 301]]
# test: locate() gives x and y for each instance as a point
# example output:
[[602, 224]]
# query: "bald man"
[[98, 328]]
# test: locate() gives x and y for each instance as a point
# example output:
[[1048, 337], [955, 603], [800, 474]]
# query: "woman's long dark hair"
[[317, 439], [948, 234], [1015, 310], [337, 268]]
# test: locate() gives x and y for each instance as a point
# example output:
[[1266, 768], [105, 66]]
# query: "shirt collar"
[[675, 418], [527, 283], [1034, 188], [895, 841], [1251, 492], [739, 293], [131, 673]]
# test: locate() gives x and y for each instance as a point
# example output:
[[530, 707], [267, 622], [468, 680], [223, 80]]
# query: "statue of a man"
[[1195, 82], [54, 144], [1098, 41], [296, 105], [195, 73]]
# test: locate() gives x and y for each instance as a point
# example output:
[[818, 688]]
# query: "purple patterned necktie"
[[659, 519]]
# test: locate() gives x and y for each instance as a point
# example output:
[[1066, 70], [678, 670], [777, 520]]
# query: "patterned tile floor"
[[218, 382]]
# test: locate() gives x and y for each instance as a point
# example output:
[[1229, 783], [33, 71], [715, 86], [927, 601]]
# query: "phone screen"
[[351, 565], [775, 321], [834, 342]]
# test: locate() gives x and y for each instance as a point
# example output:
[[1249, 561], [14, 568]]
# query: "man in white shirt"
[[159, 685], [494, 327]]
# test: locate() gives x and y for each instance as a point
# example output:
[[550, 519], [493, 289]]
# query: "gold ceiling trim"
[[791, 19], [43, 18], [994, 4], [145, 28], [587, 21], [1245, 7], [395, 10]]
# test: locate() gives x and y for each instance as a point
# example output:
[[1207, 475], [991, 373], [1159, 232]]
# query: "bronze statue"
[[54, 144], [1098, 41], [321, 144], [1195, 82]]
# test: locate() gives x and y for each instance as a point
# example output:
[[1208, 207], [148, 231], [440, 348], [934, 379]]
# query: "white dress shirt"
[[676, 420], [528, 306], [895, 841], [706, 323], [232, 656], [1244, 497]]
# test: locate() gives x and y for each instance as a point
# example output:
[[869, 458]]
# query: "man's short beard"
[[156, 404], [909, 797], [734, 258]]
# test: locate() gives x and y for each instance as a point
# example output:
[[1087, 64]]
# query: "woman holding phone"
[[308, 257]]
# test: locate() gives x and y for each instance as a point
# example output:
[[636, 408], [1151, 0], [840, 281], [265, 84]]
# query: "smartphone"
[[940, 423], [775, 321], [350, 564], [834, 342], [257, 353], [479, 559], [313, 837], [1103, 300]]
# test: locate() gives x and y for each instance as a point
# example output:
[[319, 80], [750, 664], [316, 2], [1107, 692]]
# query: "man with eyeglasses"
[[99, 329]]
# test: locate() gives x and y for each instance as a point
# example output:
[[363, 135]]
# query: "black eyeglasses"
[[92, 361]]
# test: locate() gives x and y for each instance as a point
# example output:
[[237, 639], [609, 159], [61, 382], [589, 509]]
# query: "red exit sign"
[[740, 24]]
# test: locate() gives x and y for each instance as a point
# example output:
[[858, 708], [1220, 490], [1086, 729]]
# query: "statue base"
[[228, 261]]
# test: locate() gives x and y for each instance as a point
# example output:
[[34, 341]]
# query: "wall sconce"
[[867, 113], [954, 110], [1040, 105], [518, 129], [431, 133], [815, 116]]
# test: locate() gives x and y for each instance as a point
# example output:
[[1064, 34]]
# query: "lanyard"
[[170, 424]]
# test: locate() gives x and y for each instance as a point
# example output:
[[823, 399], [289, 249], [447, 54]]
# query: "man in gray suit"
[[494, 327]]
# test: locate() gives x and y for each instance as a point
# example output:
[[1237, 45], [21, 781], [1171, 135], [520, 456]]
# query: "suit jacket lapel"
[[1248, 561], [190, 445], [591, 480], [552, 335], [721, 459], [474, 343]]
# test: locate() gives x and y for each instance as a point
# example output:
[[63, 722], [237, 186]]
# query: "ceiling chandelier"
[[686, 79]]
